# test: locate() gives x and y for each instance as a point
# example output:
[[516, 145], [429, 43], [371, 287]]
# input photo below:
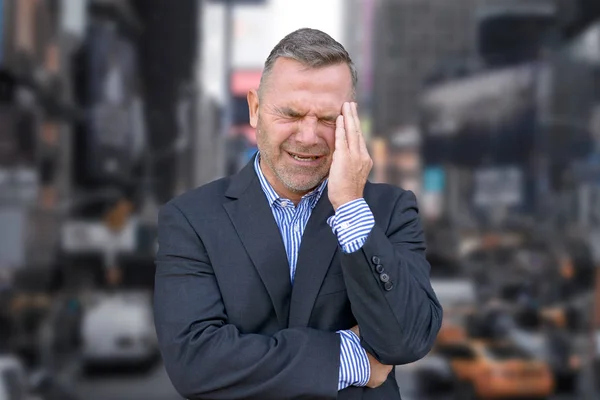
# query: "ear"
[[253, 107]]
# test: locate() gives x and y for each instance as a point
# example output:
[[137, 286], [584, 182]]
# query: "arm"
[[207, 358], [387, 278], [355, 369], [399, 320]]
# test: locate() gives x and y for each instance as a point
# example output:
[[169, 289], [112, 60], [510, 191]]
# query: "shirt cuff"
[[355, 369], [352, 224]]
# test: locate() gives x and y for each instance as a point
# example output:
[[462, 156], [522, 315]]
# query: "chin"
[[304, 186]]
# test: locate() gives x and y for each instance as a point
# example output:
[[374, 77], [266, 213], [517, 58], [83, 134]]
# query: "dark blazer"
[[231, 326]]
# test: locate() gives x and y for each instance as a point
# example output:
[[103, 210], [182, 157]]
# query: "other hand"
[[351, 163], [379, 371]]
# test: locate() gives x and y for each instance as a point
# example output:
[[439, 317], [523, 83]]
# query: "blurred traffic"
[[488, 110]]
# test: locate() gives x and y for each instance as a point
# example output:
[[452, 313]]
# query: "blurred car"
[[28, 312], [492, 370], [430, 378], [554, 346], [458, 299], [118, 328], [13, 381]]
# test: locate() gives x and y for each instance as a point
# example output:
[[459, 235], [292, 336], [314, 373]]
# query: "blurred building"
[[359, 22], [95, 97], [424, 41], [507, 136], [510, 32], [413, 39]]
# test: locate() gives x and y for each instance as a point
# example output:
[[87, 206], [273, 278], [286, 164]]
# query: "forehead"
[[291, 83]]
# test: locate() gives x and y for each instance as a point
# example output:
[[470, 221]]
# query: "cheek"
[[280, 133], [272, 134], [329, 137]]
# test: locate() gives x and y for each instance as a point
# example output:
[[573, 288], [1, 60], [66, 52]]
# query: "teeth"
[[303, 158]]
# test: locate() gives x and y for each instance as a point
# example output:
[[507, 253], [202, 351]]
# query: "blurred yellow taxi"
[[496, 370]]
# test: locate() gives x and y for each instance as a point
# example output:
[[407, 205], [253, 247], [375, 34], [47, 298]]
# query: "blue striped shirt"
[[352, 224]]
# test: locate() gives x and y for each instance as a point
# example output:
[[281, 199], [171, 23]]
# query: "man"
[[295, 278]]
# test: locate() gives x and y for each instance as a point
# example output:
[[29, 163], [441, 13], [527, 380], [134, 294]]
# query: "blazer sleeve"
[[208, 358], [389, 288]]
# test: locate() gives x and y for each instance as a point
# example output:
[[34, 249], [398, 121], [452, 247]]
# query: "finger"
[[351, 131], [355, 116], [340, 134], [364, 150], [362, 145]]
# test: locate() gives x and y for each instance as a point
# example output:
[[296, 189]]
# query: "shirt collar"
[[272, 196]]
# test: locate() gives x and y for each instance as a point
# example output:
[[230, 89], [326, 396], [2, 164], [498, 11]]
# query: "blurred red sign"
[[243, 81]]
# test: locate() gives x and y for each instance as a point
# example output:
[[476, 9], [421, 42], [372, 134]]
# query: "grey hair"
[[312, 48]]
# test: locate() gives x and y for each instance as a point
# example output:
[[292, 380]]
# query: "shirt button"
[[345, 225]]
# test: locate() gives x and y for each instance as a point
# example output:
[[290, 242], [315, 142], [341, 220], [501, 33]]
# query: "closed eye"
[[329, 121], [289, 113]]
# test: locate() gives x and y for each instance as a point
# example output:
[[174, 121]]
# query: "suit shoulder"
[[203, 197]]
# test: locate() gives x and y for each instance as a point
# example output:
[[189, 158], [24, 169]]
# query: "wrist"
[[337, 203]]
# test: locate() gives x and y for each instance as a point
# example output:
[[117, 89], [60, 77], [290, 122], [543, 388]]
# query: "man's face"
[[295, 122]]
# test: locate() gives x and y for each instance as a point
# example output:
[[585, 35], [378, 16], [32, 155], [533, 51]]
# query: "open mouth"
[[304, 158]]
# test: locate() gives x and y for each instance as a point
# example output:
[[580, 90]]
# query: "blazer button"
[[384, 277], [376, 260], [388, 286], [379, 268]]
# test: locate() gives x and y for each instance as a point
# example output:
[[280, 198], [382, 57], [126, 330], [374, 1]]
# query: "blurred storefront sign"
[[243, 81], [498, 187], [493, 96], [432, 195], [18, 186], [84, 236], [12, 236]]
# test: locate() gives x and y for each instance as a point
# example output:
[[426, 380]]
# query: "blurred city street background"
[[489, 110]]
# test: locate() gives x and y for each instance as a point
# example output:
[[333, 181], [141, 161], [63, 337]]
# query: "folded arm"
[[387, 278]]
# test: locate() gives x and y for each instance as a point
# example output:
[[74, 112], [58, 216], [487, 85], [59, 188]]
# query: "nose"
[[307, 131]]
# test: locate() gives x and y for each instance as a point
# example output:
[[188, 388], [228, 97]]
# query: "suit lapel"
[[253, 219], [316, 252]]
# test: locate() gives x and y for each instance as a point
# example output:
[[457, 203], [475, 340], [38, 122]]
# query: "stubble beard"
[[294, 178]]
